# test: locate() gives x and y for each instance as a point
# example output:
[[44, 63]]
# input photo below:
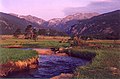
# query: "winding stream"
[[50, 66]]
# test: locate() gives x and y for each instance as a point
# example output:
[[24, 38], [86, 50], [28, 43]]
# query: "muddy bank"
[[49, 52], [43, 51], [67, 52], [11, 66], [13, 46]]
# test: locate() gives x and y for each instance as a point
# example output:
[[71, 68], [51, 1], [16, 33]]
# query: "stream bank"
[[50, 66], [17, 66]]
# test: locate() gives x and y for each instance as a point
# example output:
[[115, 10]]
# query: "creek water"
[[50, 66]]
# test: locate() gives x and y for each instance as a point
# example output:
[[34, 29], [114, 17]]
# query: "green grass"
[[17, 54], [81, 53], [107, 55], [46, 44], [101, 64], [41, 43], [7, 55]]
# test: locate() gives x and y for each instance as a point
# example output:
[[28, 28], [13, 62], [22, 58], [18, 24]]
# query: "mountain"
[[80, 16], [82, 24], [9, 23], [61, 24], [102, 26], [54, 22], [32, 19]]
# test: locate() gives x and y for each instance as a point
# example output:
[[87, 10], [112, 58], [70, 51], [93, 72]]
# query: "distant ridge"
[[9, 23], [102, 26]]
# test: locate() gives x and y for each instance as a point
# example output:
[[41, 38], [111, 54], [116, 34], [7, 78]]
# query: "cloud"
[[100, 6]]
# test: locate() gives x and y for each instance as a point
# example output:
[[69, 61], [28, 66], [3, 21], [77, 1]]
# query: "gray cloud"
[[100, 7]]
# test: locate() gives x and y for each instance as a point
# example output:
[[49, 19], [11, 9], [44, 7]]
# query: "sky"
[[48, 9]]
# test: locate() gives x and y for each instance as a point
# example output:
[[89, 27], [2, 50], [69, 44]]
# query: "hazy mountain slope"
[[33, 19], [59, 24], [102, 25], [62, 24], [9, 23]]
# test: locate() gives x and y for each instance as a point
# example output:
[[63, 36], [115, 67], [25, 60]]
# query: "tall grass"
[[100, 68], [7, 54]]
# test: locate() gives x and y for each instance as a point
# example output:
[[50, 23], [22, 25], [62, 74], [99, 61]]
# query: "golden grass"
[[103, 41]]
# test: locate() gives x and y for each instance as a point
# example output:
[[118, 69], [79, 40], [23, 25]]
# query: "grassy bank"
[[106, 65], [7, 54], [81, 53]]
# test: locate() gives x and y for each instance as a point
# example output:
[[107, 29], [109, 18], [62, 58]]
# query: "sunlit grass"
[[7, 54]]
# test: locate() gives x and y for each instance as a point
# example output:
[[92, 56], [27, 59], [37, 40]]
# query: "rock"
[[63, 76], [56, 52], [61, 49], [61, 54], [113, 68], [115, 71]]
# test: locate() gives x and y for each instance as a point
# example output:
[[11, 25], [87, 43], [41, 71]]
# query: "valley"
[[82, 45]]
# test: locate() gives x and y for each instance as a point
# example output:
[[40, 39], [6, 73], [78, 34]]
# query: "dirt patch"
[[13, 46], [11, 66], [44, 51], [49, 52]]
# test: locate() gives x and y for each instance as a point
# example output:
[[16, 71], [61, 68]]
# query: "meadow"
[[105, 64], [42, 42]]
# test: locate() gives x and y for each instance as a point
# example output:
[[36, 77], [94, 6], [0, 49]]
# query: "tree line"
[[32, 33]]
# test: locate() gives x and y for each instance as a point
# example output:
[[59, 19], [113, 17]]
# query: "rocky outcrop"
[[20, 65]]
